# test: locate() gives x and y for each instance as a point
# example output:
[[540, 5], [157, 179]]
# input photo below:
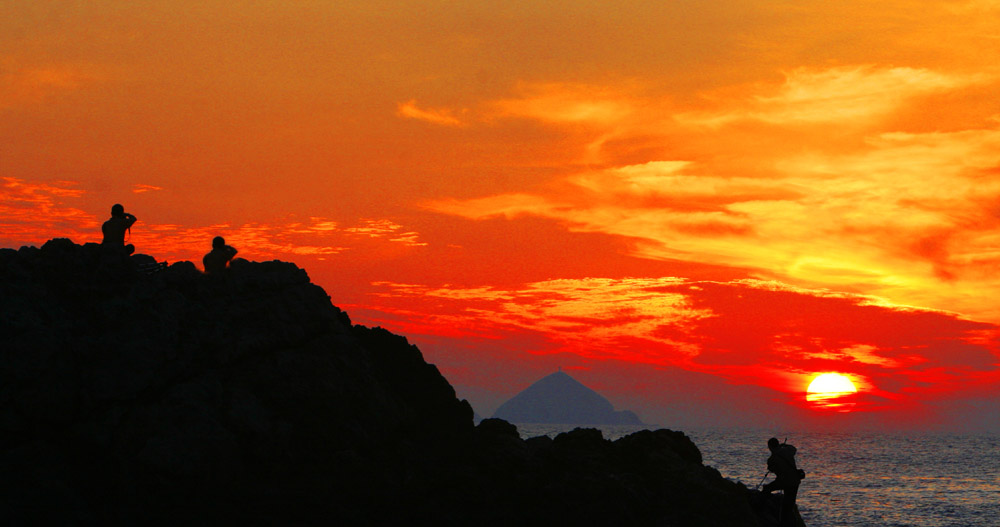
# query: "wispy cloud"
[[141, 188], [388, 230], [848, 95], [566, 103], [439, 116], [591, 317], [318, 237], [39, 211], [739, 330], [763, 184], [32, 213]]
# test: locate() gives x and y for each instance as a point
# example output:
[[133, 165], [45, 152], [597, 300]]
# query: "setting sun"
[[831, 391], [831, 383]]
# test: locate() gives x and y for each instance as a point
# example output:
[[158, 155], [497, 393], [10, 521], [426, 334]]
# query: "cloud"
[[552, 103], [848, 95], [439, 116], [907, 216], [588, 317], [387, 229], [744, 331], [32, 213], [140, 188], [565, 103], [253, 240], [923, 204], [505, 205], [318, 237]]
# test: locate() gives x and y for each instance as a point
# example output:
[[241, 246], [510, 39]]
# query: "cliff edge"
[[177, 398]]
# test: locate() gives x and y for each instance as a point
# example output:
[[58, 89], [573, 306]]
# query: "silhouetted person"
[[787, 477], [114, 229], [217, 260]]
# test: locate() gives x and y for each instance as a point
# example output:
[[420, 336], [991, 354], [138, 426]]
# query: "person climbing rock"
[[787, 478]]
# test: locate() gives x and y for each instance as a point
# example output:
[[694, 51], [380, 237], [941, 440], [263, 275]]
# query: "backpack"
[[789, 455]]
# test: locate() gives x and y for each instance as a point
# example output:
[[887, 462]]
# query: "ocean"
[[862, 479]]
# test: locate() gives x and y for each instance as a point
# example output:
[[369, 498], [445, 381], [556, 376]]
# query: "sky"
[[693, 207]]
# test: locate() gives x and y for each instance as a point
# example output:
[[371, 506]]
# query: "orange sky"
[[692, 206]]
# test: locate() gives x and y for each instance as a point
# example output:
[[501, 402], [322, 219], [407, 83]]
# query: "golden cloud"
[[566, 103], [589, 316], [141, 188], [31, 213], [439, 116], [899, 217], [847, 95]]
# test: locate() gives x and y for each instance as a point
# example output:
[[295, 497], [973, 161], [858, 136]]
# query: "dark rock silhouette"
[[767, 508], [248, 398], [559, 398]]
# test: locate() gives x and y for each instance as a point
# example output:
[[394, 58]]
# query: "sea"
[[860, 479]]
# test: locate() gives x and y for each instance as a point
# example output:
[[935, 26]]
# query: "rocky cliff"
[[175, 397]]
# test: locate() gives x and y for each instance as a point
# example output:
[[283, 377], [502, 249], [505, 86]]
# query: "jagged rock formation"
[[559, 398], [248, 398]]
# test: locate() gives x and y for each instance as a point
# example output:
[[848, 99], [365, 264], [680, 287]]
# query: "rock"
[[176, 397]]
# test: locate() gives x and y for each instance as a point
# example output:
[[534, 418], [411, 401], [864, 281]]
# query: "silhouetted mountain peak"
[[559, 398]]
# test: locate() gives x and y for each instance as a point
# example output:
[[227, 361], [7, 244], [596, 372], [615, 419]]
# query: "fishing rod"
[[762, 480]]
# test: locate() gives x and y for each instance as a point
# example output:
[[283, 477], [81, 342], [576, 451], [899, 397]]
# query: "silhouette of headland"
[[182, 398], [558, 398]]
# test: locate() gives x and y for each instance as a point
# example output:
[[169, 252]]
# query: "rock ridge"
[[182, 398]]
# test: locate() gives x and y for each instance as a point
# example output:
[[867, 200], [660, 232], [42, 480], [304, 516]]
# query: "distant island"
[[136, 393], [560, 399]]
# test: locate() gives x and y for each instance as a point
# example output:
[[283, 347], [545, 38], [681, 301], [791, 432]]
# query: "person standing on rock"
[[787, 478], [114, 229], [218, 259]]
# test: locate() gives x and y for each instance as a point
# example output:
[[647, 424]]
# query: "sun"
[[831, 383], [831, 391]]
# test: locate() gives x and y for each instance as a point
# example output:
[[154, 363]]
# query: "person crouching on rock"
[[787, 477], [217, 260], [114, 230]]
